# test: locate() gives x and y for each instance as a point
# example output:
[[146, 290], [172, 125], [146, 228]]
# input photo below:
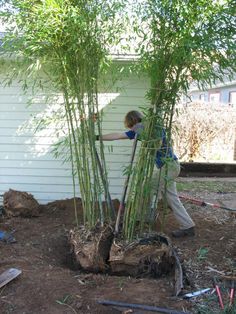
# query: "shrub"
[[205, 131]]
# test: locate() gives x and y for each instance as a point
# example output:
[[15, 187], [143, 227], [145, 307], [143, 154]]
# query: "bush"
[[205, 131]]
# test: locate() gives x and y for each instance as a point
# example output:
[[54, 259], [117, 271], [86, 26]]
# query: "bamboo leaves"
[[180, 41], [66, 40]]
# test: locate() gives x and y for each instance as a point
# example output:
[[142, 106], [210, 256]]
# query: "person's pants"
[[164, 185]]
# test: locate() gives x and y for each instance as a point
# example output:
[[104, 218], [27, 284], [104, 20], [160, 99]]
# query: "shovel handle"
[[231, 296], [122, 202], [216, 286]]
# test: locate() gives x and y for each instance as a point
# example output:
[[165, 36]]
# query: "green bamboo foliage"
[[181, 41], [68, 40]]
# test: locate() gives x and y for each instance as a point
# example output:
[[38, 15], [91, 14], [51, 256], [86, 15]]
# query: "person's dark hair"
[[132, 117]]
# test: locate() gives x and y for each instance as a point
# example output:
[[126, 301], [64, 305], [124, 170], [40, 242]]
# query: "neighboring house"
[[26, 161], [222, 93]]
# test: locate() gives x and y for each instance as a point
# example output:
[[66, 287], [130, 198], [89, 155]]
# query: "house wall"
[[205, 95], [225, 91], [26, 162]]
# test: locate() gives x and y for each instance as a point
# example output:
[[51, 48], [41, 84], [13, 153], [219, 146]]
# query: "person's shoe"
[[183, 232]]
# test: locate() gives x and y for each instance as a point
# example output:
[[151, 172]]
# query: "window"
[[202, 97], [214, 97], [232, 98]]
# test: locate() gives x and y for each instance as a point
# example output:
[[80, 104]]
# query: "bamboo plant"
[[67, 41], [181, 42]]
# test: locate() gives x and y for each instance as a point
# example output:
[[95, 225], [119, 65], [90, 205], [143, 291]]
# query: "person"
[[167, 168]]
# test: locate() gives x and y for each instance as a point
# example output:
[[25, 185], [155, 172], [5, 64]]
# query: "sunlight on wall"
[[50, 124]]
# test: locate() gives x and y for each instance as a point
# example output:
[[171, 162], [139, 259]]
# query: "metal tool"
[[141, 307], [196, 293], [203, 203], [122, 202], [9, 275]]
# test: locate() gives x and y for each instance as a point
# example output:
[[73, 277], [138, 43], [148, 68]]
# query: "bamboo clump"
[[66, 42]]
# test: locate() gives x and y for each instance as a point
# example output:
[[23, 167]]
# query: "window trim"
[[213, 92]]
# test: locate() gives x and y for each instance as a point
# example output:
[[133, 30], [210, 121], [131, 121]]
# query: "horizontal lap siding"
[[26, 163]]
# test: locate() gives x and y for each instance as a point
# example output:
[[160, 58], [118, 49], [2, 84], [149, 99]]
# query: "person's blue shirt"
[[163, 154]]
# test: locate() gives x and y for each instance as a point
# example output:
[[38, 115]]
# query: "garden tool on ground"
[[203, 203], [196, 293], [218, 292], [140, 307], [9, 275], [122, 202]]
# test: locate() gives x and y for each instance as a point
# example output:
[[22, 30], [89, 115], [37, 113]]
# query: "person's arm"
[[114, 136]]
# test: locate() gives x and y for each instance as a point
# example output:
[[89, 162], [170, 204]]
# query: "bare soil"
[[49, 283]]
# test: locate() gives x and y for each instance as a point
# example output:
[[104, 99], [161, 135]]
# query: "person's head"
[[131, 118]]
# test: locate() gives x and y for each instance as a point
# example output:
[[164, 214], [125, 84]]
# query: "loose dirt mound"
[[18, 203]]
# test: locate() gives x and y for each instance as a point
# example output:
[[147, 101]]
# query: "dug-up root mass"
[[98, 251]]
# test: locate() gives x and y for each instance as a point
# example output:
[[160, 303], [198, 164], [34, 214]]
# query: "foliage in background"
[[67, 42], [180, 42], [199, 125]]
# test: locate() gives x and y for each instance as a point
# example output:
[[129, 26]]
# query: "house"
[[26, 161], [222, 93]]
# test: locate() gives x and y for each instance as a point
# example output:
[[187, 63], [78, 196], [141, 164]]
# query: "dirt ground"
[[49, 285]]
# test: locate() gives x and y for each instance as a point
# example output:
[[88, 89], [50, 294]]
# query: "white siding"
[[26, 163]]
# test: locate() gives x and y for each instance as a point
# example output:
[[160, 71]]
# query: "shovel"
[[122, 202], [9, 275]]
